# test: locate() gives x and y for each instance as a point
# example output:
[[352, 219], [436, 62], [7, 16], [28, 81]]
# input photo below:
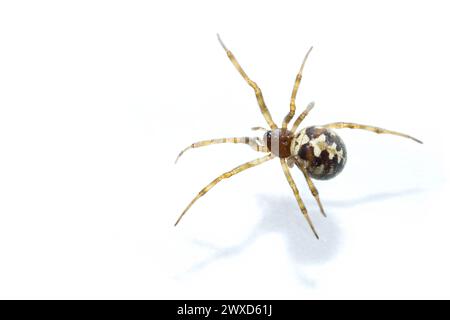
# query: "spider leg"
[[311, 186], [302, 116], [226, 175], [297, 195], [258, 93], [341, 125], [252, 142], [298, 78]]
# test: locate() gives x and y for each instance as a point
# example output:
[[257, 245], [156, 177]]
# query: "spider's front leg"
[[258, 93]]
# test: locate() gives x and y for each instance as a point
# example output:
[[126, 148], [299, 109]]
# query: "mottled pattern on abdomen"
[[322, 151]]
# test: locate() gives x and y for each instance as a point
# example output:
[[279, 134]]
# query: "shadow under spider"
[[372, 198], [282, 215]]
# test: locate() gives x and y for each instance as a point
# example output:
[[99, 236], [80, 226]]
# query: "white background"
[[98, 97]]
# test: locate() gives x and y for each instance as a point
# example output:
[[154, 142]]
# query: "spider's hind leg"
[[226, 175], [311, 185], [297, 195], [350, 125]]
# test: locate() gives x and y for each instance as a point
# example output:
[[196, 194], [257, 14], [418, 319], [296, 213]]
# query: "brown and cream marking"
[[317, 151], [321, 151]]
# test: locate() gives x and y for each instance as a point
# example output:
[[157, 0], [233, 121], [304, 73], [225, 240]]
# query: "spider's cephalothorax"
[[317, 151], [279, 142], [321, 151]]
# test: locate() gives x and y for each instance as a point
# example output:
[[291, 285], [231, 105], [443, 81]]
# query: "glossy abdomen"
[[321, 151]]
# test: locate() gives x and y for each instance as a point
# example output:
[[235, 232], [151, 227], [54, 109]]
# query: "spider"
[[317, 151]]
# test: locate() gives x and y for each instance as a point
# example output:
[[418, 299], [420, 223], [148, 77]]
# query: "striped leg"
[[311, 186], [298, 78], [341, 125], [254, 143], [226, 175], [259, 96], [297, 195], [302, 116]]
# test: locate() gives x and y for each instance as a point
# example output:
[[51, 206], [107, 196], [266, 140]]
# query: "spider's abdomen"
[[321, 150]]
